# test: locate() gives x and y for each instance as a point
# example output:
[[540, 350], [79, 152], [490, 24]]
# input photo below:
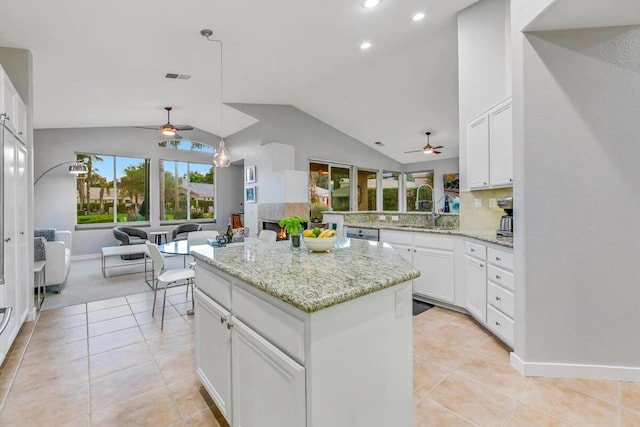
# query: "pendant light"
[[221, 159]]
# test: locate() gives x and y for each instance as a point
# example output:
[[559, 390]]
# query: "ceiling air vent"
[[177, 76], [378, 143]]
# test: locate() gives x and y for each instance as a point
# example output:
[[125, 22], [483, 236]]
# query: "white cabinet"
[[268, 386], [500, 301], [213, 351], [434, 256], [490, 148], [475, 278], [13, 107]]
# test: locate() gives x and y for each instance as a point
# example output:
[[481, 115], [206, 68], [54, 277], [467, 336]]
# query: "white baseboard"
[[84, 257], [573, 370]]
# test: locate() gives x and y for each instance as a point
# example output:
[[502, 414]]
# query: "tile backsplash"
[[482, 218]]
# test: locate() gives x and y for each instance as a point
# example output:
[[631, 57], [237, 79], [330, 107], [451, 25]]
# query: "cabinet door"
[[437, 273], [21, 119], [478, 152], [213, 351], [405, 250], [9, 102], [501, 145], [475, 277], [268, 386]]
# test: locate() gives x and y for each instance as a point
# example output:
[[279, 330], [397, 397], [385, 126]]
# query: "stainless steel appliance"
[[506, 221], [363, 233]]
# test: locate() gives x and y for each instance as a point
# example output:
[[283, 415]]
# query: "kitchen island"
[[297, 339]]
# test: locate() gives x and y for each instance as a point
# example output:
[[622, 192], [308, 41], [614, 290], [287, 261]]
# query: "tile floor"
[[107, 363]]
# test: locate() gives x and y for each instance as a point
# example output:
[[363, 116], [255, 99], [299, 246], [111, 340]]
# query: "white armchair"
[[58, 255]]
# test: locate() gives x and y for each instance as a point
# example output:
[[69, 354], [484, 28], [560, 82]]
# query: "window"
[[186, 191], [328, 186], [187, 145], [390, 191], [115, 189], [419, 191], [367, 187]]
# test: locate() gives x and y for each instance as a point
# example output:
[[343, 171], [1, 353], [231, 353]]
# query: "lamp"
[[221, 158], [76, 168]]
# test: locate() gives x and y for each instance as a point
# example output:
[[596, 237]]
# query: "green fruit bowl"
[[315, 244]]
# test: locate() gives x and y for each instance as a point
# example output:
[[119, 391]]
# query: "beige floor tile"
[[139, 297], [629, 419], [114, 340], [55, 352], [444, 314], [106, 303], [525, 415], [631, 396], [49, 336], [494, 374], [206, 418], [176, 368], [172, 344], [109, 313], [145, 305], [190, 396], [183, 308], [64, 322], [569, 405], [112, 325], [495, 349], [605, 390], [449, 356], [121, 358], [172, 326], [121, 386], [146, 318], [152, 408], [472, 401], [63, 311], [58, 373], [426, 375], [427, 413]]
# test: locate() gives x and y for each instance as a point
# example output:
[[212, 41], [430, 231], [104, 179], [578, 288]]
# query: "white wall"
[[55, 195], [576, 170], [439, 167], [484, 64]]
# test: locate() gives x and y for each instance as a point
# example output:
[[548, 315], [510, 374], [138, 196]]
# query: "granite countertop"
[[489, 236], [312, 281]]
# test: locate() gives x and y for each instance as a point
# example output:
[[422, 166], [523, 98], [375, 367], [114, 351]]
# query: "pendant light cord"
[[206, 33]]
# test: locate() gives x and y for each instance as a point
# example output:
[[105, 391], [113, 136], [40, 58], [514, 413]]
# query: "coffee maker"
[[506, 221]]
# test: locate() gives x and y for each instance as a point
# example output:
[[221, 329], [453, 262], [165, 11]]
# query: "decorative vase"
[[295, 242]]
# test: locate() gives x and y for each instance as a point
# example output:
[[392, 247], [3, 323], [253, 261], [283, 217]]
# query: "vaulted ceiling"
[[104, 64]]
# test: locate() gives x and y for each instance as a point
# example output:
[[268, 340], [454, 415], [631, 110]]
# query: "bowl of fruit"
[[318, 240]]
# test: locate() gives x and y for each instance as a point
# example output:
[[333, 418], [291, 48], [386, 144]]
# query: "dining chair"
[[168, 278], [200, 237], [267, 236]]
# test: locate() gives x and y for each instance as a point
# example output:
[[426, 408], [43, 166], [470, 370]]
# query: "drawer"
[[475, 250], [214, 286], [436, 242], [500, 298], [500, 258], [500, 276], [279, 327], [500, 324]]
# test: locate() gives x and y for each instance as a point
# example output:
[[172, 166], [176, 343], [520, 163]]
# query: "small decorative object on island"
[[293, 224], [318, 240]]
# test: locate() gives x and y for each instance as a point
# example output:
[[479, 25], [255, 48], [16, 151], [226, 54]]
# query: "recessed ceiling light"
[[365, 45], [370, 4], [418, 16]]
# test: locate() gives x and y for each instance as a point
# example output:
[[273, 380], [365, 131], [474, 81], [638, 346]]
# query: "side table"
[[157, 235], [40, 280]]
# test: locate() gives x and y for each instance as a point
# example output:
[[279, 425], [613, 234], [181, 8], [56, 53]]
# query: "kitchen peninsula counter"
[[296, 339]]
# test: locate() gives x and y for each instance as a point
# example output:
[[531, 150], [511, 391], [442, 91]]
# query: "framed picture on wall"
[[250, 194], [250, 174]]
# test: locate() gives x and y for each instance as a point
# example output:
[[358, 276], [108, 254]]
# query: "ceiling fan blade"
[[183, 127], [146, 127], [176, 136], [437, 147], [413, 151], [436, 152]]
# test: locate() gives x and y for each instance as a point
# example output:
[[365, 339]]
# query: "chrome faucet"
[[434, 211]]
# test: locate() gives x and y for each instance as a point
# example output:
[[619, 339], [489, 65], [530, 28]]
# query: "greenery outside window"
[[390, 191], [418, 191], [367, 190], [115, 189], [187, 191]]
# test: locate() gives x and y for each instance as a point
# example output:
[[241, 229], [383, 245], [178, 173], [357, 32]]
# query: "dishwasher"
[[363, 233]]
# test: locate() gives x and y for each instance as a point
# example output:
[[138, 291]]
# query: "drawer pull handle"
[[498, 276], [472, 250], [229, 325], [481, 265], [222, 320], [7, 240], [498, 298], [497, 323], [498, 258]]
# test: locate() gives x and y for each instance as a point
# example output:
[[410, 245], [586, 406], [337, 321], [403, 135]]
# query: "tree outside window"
[[186, 191]]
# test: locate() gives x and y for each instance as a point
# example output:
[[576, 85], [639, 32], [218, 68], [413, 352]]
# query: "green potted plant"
[[293, 225]]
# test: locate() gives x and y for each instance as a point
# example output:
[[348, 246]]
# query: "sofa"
[[57, 253], [131, 236]]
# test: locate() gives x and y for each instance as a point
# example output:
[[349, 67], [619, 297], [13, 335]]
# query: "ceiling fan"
[[428, 149], [169, 129]]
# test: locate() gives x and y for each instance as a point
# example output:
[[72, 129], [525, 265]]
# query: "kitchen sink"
[[425, 227]]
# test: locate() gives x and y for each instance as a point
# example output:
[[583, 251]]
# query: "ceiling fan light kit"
[[427, 149]]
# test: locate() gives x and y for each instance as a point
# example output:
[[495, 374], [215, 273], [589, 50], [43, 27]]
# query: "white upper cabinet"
[[478, 152], [490, 148], [501, 145], [13, 107]]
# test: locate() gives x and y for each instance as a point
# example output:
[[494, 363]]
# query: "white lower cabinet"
[[475, 278], [268, 386], [435, 258], [213, 351]]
